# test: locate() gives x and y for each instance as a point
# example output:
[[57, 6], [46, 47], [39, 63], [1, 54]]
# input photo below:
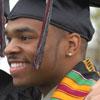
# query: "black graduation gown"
[[9, 92]]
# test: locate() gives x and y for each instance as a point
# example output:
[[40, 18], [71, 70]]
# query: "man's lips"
[[17, 67]]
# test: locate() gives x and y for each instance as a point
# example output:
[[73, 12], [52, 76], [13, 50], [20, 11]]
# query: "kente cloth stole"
[[75, 86]]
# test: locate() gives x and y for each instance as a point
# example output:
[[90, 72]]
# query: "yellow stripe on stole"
[[66, 96], [73, 85], [89, 65]]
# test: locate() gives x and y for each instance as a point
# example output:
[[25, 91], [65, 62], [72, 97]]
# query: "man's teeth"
[[15, 65]]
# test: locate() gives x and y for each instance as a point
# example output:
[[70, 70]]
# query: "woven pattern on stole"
[[74, 86]]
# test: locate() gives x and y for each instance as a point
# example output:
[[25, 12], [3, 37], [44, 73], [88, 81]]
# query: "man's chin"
[[19, 85]]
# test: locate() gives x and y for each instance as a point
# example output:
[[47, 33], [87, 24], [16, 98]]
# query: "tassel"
[[44, 31], [2, 33], [4, 9], [2, 37], [1, 18]]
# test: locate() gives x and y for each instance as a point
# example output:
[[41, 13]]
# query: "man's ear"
[[74, 41]]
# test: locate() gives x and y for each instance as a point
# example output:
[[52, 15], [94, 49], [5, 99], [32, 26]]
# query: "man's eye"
[[23, 38], [7, 40]]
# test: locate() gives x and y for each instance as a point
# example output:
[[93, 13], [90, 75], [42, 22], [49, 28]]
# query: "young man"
[[7, 89], [64, 73]]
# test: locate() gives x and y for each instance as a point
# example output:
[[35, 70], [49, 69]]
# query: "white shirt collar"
[[48, 96]]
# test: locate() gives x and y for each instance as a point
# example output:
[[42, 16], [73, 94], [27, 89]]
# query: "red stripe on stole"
[[70, 91]]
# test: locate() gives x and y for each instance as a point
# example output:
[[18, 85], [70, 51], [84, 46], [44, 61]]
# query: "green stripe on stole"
[[79, 79], [54, 99]]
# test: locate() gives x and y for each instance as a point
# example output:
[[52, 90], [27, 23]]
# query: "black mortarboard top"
[[95, 3], [70, 15]]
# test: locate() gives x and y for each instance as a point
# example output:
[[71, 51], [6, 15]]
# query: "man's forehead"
[[19, 29], [22, 25]]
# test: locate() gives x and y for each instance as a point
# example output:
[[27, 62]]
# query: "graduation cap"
[[70, 15], [95, 3]]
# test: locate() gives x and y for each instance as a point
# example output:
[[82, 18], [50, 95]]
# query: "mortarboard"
[[95, 3]]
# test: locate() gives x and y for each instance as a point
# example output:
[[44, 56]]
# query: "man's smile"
[[16, 65]]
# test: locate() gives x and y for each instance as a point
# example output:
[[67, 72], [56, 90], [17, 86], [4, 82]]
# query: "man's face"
[[23, 35]]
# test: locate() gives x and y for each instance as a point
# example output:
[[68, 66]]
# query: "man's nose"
[[12, 47]]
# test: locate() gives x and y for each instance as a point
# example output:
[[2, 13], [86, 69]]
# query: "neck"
[[45, 90], [47, 87]]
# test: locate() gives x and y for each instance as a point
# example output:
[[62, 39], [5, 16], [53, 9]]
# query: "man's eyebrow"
[[24, 29], [21, 30]]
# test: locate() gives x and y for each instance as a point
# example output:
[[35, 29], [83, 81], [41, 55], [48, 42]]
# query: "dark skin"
[[23, 35]]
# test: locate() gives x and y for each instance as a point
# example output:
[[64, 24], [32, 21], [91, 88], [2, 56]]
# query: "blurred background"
[[93, 50]]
